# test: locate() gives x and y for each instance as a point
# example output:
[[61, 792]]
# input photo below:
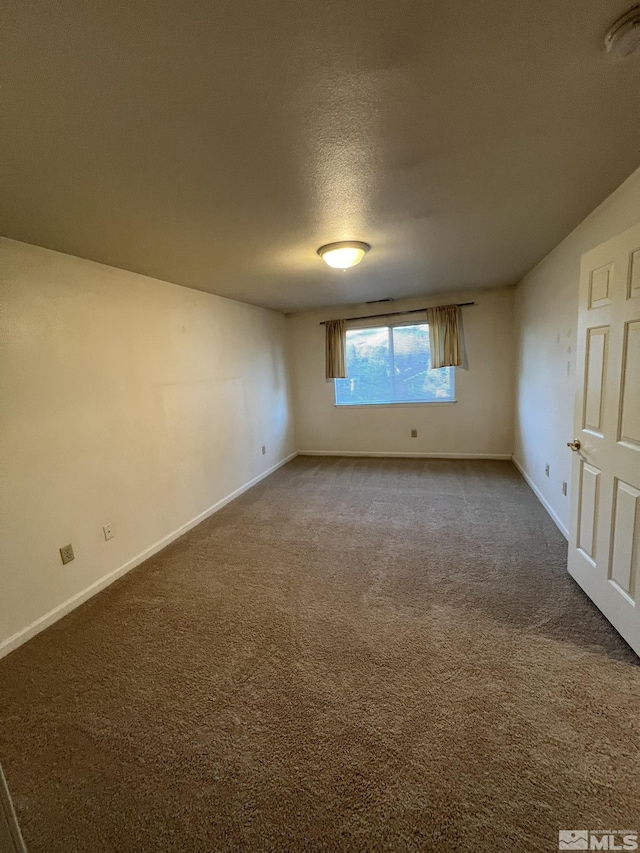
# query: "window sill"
[[394, 405]]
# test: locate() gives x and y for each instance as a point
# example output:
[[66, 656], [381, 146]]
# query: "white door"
[[604, 542]]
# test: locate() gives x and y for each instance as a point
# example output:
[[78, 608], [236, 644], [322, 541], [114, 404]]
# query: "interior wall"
[[480, 423], [546, 317], [124, 400]]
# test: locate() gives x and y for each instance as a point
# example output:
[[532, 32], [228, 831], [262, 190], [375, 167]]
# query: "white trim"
[[61, 610], [405, 455], [394, 405], [536, 491]]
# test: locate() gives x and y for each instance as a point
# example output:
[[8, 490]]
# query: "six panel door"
[[604, 544]]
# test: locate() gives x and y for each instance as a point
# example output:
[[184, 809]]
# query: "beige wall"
[[546, 316], [123, 400], [479, 423]]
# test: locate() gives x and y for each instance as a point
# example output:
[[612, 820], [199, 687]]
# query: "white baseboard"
[[403, 455], [536, 491], [61, 610]]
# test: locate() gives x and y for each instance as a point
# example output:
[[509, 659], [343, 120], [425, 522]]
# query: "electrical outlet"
[[564, 487], [546, 470], [414, 433], [264, 450], [108, 532], [66, 554]]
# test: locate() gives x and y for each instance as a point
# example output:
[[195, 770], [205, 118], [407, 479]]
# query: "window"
[[390, 364]]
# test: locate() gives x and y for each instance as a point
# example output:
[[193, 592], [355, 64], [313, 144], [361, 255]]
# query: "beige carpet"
[[356, 655]]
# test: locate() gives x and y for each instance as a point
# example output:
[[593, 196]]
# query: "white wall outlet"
[[546, 470], [564, 487], [414, 433], [66, 554], [108, 532], [264, 450]]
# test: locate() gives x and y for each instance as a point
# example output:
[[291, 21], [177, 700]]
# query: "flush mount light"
[[343, 255], [623, 39]]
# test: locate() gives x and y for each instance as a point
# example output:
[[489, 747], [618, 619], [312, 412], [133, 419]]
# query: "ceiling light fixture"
[[623, 39], [343, 255]]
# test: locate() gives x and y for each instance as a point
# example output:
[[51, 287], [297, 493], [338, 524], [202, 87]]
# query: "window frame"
[[400, 403]]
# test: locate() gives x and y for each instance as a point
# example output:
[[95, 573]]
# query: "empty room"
[[319, 426]]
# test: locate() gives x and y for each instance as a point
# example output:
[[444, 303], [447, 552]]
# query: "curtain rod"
[[395, 313]]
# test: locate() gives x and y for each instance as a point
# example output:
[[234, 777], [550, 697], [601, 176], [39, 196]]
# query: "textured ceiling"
[[218, 144]]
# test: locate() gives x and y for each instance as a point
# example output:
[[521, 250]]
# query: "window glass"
[[390, 364]]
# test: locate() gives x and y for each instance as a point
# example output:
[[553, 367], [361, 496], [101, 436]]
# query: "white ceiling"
[[218, 143]]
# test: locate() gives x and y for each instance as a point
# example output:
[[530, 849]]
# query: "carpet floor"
[[355, 655]]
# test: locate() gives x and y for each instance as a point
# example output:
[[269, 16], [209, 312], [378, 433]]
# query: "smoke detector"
[[623, 39]]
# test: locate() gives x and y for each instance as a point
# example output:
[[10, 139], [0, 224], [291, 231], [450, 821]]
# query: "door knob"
[[574, 445]]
